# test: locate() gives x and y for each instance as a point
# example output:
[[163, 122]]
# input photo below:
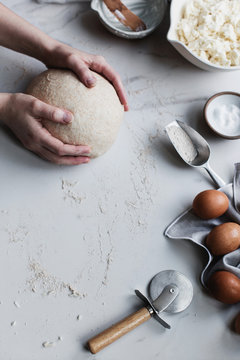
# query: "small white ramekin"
[[222, 98]]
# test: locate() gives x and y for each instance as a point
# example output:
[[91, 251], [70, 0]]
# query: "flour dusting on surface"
[[109, 260], [69, 191], [49, 344], [16, 304], [49, 284], [75, 293], [18, 234]]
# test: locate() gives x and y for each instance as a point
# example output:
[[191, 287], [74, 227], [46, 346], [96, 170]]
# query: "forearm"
[[19, 35]]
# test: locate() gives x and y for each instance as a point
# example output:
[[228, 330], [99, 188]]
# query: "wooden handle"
[[124, 15], [108, 336]]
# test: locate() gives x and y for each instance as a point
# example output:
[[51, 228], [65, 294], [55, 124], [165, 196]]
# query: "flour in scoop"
[[182, 143], [226, 119]]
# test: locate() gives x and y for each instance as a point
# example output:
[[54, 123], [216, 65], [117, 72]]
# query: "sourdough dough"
[[97, 111]]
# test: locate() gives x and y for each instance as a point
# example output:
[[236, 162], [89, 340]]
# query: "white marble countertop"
[[98, 228]]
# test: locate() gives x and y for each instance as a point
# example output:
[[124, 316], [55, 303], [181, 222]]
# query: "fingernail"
[[67, 117], [85, 161], [62, 116], [91, 81]]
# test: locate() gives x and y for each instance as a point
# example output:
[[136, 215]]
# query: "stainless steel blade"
[[152, 309]]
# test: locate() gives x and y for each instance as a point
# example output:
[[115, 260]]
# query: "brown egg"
[[225, 287], [210, 204], [237, 323], [223, 238]]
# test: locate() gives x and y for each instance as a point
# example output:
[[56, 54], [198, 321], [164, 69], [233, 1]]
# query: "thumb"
[[52, 113]]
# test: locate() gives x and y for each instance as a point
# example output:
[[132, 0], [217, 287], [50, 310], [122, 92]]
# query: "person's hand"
[[81, 63], [23, 113], [18, 35]]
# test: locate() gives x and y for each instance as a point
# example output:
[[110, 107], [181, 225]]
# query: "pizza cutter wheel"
[[169, 291], [185, 295]]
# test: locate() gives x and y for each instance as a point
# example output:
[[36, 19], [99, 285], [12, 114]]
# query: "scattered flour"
[[49, 284], [16, 304], [101, 208], [70, 193], [49, 344], [75, 293], [108, 263], [106, 250], [18, 234], [143, 190], [131, 204]]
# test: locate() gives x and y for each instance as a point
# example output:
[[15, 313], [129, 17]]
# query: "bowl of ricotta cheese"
[[207, 32]]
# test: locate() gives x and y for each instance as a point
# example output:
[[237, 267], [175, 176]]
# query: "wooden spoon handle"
[[108, 336], [124, 15]]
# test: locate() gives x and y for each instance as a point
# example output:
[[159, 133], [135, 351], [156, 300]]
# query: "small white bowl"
[[150, 11], [217, 106], [176, 11]]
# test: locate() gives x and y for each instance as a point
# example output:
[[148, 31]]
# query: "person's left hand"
[[81, 63]]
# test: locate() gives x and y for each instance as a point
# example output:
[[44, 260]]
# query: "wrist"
[[57, 54], [5, 99], [47, 51]]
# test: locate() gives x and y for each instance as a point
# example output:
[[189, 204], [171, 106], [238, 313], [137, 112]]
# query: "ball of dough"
[[97, 111]]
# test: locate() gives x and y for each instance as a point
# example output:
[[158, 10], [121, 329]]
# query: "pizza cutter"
[[169, 291]]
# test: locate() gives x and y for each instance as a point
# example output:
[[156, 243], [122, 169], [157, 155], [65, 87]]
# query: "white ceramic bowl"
[[150, 11], [176, 12]]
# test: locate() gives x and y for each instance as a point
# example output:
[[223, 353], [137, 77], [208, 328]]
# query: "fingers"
[[59, 148], [41, 110], [102, 67], [25, 124], [41, 142], [62, 160], [98, 64], [82, 70]]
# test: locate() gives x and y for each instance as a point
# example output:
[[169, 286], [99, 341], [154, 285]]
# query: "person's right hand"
[[23, 114]]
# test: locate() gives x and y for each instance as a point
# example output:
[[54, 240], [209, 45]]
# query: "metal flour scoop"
[[192, 147], [169, 291]]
